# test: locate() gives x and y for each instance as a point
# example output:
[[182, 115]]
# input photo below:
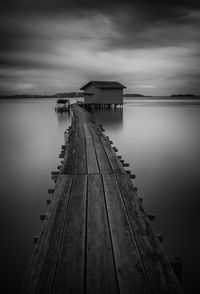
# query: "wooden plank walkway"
[[96, 237]]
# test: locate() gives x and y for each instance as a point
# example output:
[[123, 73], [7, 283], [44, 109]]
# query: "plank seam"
[[135, 239], [111, 241], [106, 153], [77, 135], [86, 125], [96, 134], [85, 252], [62, 235], [95, 150], [86, 158]]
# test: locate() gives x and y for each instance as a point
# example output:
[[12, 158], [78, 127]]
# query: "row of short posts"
[[54, 176], [176, 263], [93, 106]]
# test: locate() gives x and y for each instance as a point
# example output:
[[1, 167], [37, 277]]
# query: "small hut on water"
[[62, 105], [103, 93]]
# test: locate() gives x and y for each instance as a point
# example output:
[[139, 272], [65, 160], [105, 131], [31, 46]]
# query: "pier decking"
[[96, 236]]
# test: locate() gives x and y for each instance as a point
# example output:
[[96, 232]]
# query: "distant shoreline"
[[170, 98], [73, 95], [31, 96]]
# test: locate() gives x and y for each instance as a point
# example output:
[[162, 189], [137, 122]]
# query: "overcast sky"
[[49, 46]]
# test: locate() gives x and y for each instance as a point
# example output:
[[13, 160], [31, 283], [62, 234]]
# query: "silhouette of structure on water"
[[103, 94]]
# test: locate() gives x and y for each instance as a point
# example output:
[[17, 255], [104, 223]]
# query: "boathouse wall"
[[95, 98], [103, 96], [111, 96]]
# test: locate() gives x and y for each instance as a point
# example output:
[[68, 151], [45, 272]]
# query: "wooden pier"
[[96, 236]]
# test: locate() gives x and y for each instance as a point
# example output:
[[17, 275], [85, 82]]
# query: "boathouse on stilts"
[[103, 94]]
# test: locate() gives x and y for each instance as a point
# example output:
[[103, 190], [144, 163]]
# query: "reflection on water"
[[63, 117], [161, 141], [113, 118]]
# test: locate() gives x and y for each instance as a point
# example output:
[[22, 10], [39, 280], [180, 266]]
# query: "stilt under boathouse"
[[103, 94]]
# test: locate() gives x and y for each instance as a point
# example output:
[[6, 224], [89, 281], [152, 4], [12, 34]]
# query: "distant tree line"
[[183, 95], [57, 95]]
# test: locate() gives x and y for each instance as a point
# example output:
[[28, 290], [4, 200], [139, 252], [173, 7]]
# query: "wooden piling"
[[125, 164], [55, 173], [50, 191], [178, 268], [160, 237], [35, 239], [151, 217], [43, 216]]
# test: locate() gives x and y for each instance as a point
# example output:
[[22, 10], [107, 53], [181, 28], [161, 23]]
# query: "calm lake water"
[[160, 140]]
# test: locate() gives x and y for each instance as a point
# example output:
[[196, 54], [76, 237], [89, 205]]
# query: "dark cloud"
[[47, 34], [150, 10], [137, 23]]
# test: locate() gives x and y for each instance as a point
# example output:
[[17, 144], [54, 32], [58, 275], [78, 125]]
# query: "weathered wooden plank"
[[63, 162], [161, 275], [42, 264], [80, 163], [131, 273], [71, 152], [101, 275], [113, 159], [69, 276], [103, 161], [92, 165]]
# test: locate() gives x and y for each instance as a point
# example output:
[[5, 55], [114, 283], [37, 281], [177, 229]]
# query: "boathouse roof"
[[104, 85]]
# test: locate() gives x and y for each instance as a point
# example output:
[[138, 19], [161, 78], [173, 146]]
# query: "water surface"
[[31, 136], [160, 140]]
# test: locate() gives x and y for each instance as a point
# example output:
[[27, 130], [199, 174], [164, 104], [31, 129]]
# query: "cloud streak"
[[65, 43]]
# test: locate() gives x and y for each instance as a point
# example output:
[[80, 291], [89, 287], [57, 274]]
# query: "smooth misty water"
[[160, 140]]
